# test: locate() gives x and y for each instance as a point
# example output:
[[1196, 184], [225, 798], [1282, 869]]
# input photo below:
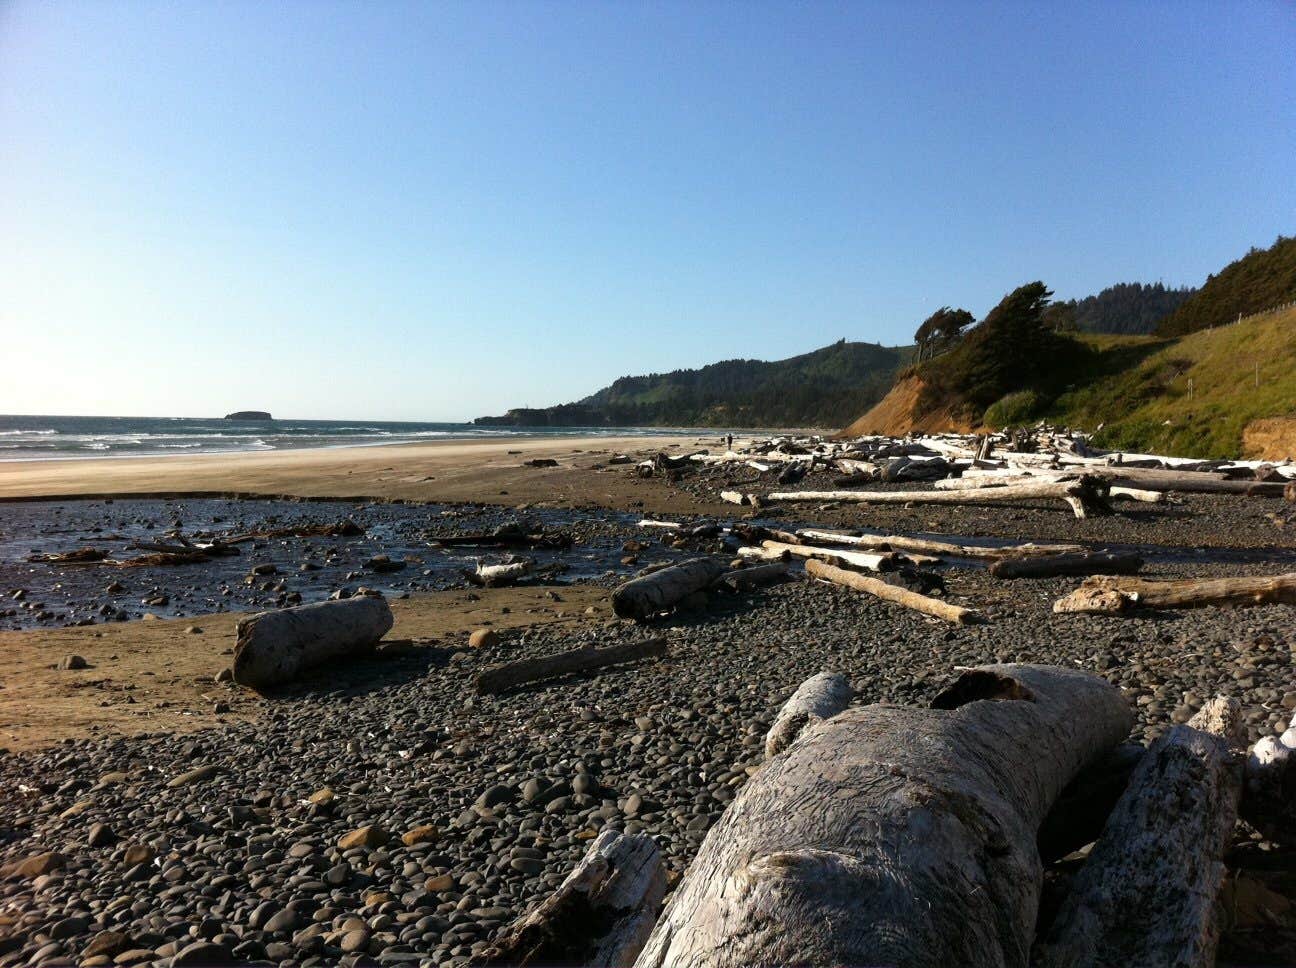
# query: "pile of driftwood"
[[889, 835], [989, 469]]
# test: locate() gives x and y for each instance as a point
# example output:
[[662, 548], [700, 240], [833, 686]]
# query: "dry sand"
[[463, 471], [157, 676]]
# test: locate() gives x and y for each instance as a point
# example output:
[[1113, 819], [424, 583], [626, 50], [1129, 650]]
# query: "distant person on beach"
[[729, 441]]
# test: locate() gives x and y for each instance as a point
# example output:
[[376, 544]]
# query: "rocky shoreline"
[[385, 813]]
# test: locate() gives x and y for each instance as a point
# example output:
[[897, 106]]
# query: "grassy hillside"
[[1140, 388], [824, 388], [1260, 280]]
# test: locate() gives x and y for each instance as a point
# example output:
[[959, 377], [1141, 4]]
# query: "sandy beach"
[[449, 471]]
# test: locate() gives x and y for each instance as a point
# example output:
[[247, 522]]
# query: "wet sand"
[[443, 471], [160, 677]]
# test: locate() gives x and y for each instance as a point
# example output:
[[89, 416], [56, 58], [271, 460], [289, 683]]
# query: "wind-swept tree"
[[940, 330]]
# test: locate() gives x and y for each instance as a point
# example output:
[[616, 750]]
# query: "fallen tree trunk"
[[1147, 894], [643, 597], [899, 543], [819, 698], [891, 593], [895, 836], [1104, 594], [1089, 563], [276, 647], [513, 674], [1082, 496], [600, 915], [1187, 482]]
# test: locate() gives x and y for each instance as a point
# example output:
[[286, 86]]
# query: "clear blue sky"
[[434, 211]]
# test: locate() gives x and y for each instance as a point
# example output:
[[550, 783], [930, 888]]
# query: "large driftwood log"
[[641, 598], [1091, 563], [1082, 496], [1188, 482], [819, 698], [888, 542], [1109, 595], [891, 593], [600, 915], [895, 836], [513, 674], [276, 647], [1147, 894]]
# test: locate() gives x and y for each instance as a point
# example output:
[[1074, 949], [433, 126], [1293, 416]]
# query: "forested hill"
[[1260, 280], [1128, 308], [825, 388]]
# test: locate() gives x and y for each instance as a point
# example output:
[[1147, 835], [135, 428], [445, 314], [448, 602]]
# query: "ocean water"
[[25, 437]]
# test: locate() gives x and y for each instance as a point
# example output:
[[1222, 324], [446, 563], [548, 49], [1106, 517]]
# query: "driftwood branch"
[[1105, 594], [513, 674], [1083, 495], [891, 593], [895, 542], [1091, 563]]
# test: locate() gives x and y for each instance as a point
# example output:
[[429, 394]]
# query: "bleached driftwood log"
[[734, 497], [641, 598], [493, 576], [1188, 482], [891, 835], [651, 523], [1082, 496], [891, 593], [897, 542], [1147, 894], [1107, 594], [819, 698], [276, 647], [600, 915], [860, 560], [1088, 563], [510, 675]]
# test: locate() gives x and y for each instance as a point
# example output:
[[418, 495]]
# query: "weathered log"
[[641, 598], [1106, 594], [650, 523], [866, 561], [1138, 494], [895, 836], [742, 579], [493, 576], [1082, 496], [276, 647], [1188, 482], [1087, 563], [891, 593], [888, 542], [734, 497], [600, 915], [510, 675], [819, 698], [1147, 894]]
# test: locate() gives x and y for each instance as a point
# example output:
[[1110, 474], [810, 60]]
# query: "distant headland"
[[248, 415]]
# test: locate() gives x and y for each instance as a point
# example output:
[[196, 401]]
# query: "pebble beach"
[[383, 812]]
